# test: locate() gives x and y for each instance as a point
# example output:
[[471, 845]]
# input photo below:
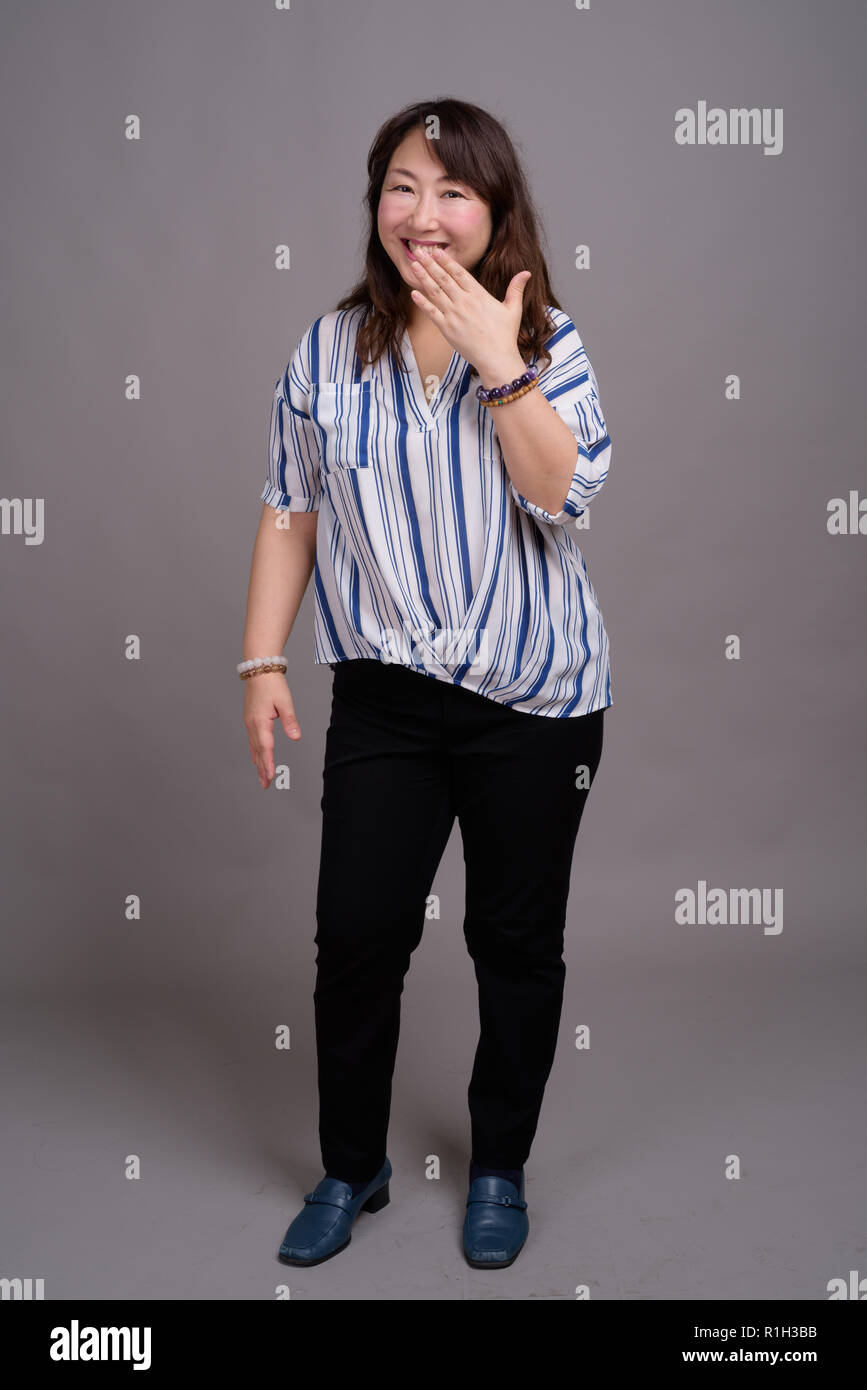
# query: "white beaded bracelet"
[[260, 664]]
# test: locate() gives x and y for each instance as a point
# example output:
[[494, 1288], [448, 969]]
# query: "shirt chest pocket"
[[344, 412]]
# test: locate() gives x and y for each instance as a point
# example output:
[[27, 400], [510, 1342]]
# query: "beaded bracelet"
[[259, 665], [511, 390]]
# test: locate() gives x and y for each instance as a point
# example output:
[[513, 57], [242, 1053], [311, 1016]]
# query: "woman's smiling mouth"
[[407, 243]]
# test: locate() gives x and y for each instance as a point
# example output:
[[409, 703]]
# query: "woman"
[[470, 658]]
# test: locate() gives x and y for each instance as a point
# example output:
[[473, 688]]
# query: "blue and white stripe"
[[426, 553]]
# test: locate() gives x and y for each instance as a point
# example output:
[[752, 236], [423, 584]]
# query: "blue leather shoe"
[[496, 1223], [323, 1226]]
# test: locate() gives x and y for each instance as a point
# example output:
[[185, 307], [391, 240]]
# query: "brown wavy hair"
[[475, 149]]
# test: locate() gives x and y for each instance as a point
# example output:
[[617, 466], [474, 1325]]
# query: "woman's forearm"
[[282, 563]]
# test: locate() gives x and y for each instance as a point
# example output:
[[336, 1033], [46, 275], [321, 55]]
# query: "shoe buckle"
[[500, 1199], [324, 1201]]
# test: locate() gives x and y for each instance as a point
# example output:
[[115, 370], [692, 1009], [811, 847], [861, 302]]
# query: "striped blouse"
[[426, 553]]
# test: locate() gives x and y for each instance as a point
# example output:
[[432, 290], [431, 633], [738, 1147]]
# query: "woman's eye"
[[399, 188]]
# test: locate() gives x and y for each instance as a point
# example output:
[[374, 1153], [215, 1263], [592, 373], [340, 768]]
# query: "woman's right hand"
[[267, 698]]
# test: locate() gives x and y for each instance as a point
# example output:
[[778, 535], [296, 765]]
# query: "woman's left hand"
[[484, 330]]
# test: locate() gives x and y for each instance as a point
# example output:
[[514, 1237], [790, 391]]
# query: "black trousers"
[[405, 754]]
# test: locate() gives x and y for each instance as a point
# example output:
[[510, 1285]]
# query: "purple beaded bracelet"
[[495, 393]]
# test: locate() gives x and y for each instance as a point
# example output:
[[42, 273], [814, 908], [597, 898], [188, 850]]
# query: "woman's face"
[[419, 203]]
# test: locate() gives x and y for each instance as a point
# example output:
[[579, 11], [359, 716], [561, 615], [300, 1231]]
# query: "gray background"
[[156, 1037]]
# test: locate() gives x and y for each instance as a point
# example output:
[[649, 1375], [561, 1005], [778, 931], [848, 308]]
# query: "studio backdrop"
[[183, 196]]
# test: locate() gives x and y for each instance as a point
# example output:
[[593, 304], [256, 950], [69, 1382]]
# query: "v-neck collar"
[[416, 385]]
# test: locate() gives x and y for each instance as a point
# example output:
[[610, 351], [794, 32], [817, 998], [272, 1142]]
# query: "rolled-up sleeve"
[[569, 383], [294, 479]]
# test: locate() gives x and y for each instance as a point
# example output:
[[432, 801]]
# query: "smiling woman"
[[469, 655], [447, 172]]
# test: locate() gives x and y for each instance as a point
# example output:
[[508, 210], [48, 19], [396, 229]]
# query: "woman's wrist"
[[261, 666], [501, 370]]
